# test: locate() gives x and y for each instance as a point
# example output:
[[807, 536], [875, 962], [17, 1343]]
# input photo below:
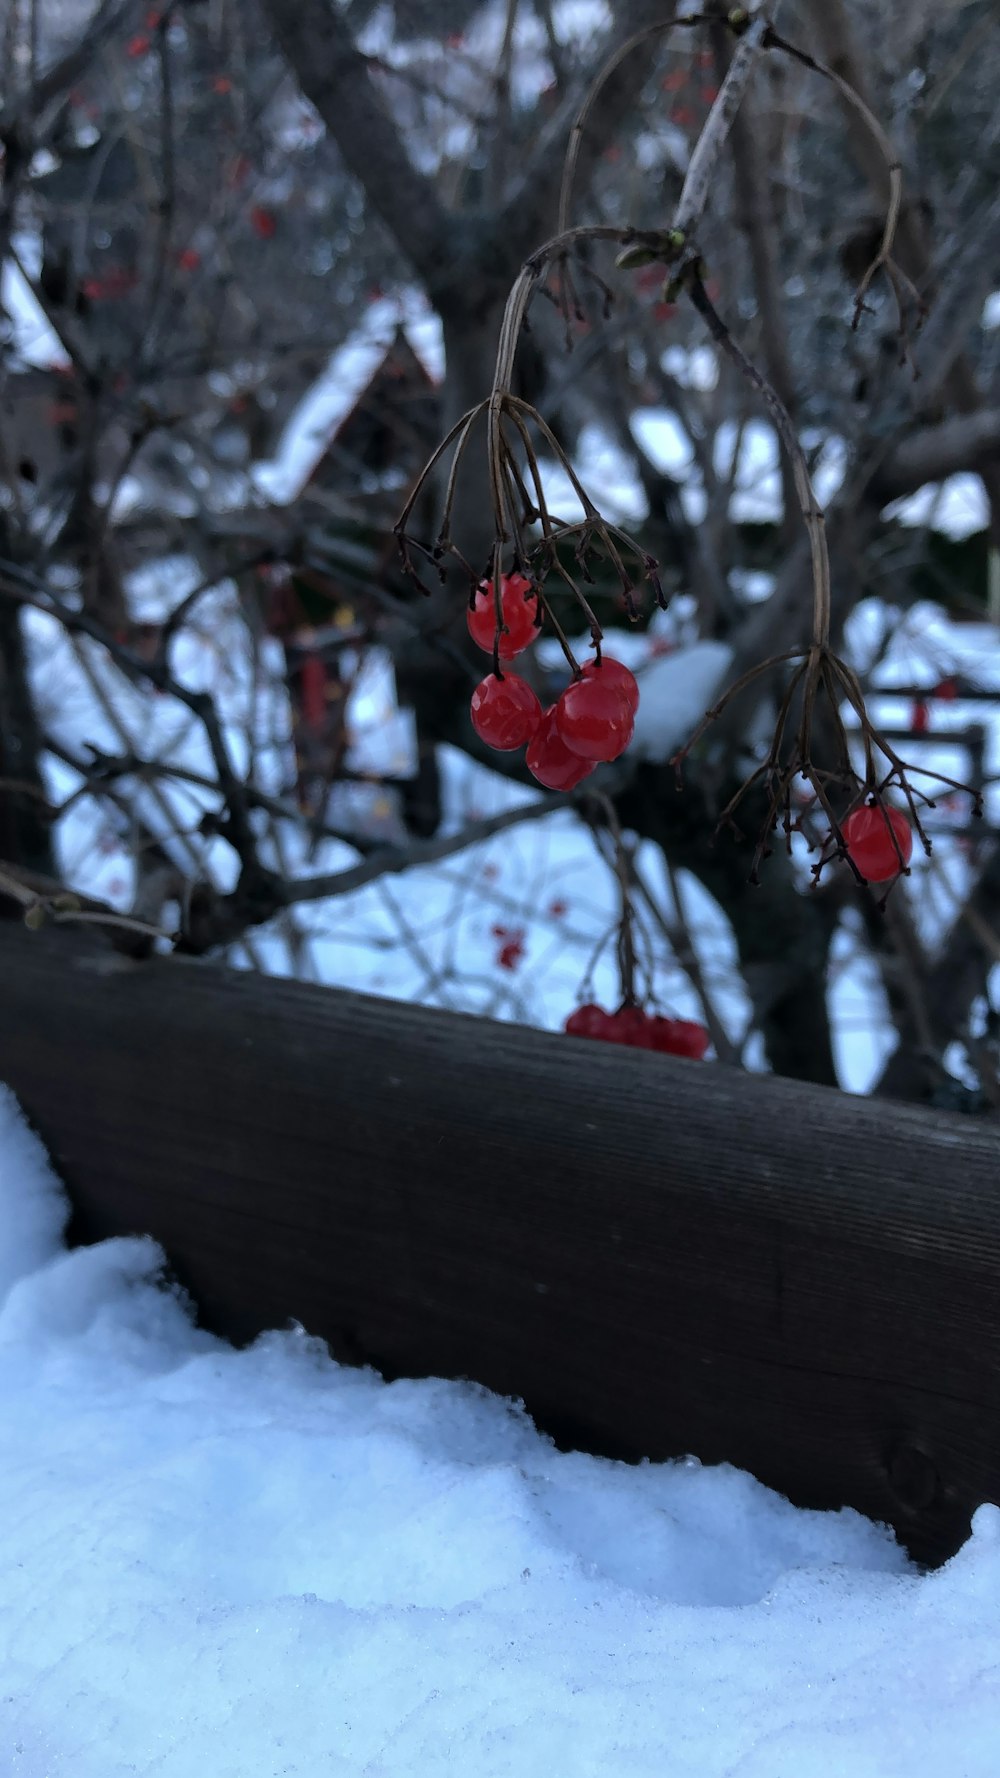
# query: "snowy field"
[[222, 1564]]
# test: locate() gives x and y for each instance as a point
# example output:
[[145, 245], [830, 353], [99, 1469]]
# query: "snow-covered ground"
[[223, 1564]]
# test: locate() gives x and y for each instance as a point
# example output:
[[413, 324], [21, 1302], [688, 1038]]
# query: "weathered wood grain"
[[659, 1257]]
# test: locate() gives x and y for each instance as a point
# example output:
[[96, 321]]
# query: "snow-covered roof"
[[336, 391]]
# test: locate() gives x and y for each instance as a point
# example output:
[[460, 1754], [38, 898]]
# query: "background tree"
[[205, 203]]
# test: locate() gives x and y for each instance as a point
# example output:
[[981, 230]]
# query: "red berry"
[[263, 222], [550, 761], [594, 720], [519, 611], [588, 1021], [629, 1025], [137, 46], [614, 677], [919, 717], [869, 842], [189, 260], [511, 951], [946, 690], [679, 1037], [505, 712]]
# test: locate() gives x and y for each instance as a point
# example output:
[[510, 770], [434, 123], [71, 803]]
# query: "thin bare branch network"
[[548, 550]]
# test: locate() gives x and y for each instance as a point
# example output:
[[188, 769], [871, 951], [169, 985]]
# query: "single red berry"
[[137, 46], [919, 717], [588, 1021], [594, 720], [679, 1037], [550, 761], [263, 222], [946, 690], [511, 951], [505, 712], [519, 611], [189, 260], [868, 836], [614, 677]]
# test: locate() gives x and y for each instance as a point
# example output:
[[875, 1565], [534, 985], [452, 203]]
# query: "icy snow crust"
[[236, 1564]]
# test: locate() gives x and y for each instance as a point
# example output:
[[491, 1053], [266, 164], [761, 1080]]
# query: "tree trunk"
[[25, 837]]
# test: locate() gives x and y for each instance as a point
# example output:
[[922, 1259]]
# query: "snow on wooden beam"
[[659, 1257]]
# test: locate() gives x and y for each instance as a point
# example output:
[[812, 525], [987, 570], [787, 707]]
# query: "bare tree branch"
[[334, 76], [530, 209], [110, 18], [964, 442], [950, 985]]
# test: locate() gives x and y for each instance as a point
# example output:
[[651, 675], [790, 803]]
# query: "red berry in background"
[[550, 761], [594, 720], [635, 1029], [263, 222], [587, 1021], [919, 717], [189, 260], [137, 46], [679, 1037], [511, 951], [616, 677], [868, 836], [519, 609], [505, 712], [946, 690], [630, 1026]]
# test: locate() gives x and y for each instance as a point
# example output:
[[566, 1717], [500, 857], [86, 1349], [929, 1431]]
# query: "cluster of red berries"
[[592, 722], [640, 1030], [879, 842]]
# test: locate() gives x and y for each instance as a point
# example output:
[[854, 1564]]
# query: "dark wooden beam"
[[659, 1257]]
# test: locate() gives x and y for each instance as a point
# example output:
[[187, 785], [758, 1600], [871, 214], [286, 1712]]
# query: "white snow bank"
[[33, 1210], [674, 693], [245, 1563]]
